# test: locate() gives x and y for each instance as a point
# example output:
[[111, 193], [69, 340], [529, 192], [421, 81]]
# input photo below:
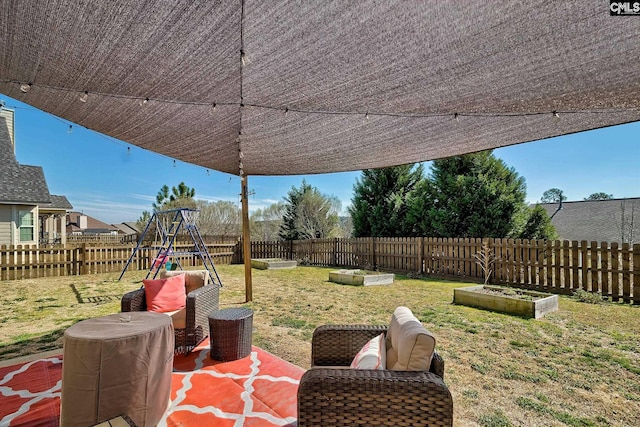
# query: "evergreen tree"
[[380, 203], [179, 197], [308, 214], [537, 226], [475, 195]]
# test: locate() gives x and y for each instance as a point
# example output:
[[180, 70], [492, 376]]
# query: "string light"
[[208, 172], [213, 108], [244, 58], [366, 116], [83, 96], [174, 163], [70, 130], [455, 117], [128, 151]]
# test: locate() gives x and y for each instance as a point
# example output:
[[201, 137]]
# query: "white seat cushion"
[[409, 345]]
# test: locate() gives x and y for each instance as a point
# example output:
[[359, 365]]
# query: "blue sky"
[[114, 181]]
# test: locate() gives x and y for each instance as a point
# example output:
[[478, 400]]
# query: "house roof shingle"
[[57, 202], [616, 220]]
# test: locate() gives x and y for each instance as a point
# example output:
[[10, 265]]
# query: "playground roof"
[[280, 87]]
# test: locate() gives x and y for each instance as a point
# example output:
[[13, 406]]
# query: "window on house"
[[26, 226]]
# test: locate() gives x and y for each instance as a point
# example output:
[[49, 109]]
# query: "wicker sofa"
[[191, 323], [331, 394]]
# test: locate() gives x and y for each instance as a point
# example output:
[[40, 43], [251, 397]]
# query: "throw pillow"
[[164, 295], [372, 355]]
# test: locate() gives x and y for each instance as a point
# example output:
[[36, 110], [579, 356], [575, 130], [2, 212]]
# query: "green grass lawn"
[[579, 366]]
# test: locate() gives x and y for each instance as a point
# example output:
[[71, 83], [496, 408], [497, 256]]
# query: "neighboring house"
[[616, 220], [29, 215], [127, 228], [79, 224]]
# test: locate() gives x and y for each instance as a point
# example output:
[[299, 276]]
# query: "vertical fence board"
[[615, 276], [626, 273], [585, 266], [604, 269], [575, 256]]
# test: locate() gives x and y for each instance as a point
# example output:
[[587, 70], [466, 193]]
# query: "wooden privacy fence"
[[25, 262], [552, 266]]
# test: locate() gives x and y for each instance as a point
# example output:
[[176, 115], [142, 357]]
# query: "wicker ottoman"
[[230, 332]]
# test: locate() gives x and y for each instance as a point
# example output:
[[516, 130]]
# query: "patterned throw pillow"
[[373, 355], [165, 295]]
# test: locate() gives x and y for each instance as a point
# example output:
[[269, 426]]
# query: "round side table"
[[230, 331]]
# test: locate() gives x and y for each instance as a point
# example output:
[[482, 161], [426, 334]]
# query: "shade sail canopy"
[[296, 87]]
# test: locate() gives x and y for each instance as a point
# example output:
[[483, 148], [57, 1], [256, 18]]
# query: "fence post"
[[83, 259], [636, 273], [626, 273], [421, 255]]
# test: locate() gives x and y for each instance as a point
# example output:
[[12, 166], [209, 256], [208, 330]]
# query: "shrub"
[[588, 297]]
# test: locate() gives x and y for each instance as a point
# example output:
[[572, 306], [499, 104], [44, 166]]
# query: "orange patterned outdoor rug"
[[258, 390]]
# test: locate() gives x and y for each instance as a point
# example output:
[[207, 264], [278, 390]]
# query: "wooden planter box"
[[541, 304], [272, 263], [357, 278]]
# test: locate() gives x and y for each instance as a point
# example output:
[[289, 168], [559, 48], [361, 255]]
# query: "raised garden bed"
[[361, 277], [272, 263], [524, 303]]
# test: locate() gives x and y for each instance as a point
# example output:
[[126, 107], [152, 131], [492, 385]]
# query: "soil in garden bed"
[[509, 293]]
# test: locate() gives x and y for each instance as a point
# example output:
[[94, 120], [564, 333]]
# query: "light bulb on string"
[[208, 172], [70, 130], [25, 87], [556, 115], [244, 58], [174, 163], [144, 101], [366, 116], [84, 96], [213, 108], [456, 117], [128, 151]]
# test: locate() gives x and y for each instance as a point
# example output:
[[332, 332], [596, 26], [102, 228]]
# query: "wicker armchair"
[[190, 324], [329, 395]]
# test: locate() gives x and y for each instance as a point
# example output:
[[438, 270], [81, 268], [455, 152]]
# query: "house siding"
[[6, 222], [8, 114]]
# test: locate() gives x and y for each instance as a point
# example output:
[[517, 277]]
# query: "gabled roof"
[[19, 183], [92, 223], [57, 202], [616, 220], [126, 228]]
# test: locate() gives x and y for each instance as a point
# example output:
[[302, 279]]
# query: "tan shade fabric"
[[323, 86], [117, 365]]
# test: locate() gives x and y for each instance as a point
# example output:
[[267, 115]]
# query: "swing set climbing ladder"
[[183, 218]]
